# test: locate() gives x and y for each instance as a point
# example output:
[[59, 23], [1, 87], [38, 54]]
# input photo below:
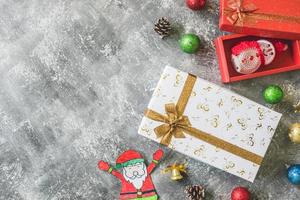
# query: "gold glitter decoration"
[[297, 107]]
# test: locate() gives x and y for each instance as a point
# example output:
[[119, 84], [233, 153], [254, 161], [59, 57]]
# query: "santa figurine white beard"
[[249, 56], [135, 174]]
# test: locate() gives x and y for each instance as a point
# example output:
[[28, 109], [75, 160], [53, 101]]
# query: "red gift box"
[[265, 18], [286, 61]]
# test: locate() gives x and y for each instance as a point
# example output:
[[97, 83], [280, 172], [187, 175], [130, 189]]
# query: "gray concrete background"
[[75, 77]]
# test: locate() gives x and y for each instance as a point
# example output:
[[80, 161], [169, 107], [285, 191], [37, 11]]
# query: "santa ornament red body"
[[136, 182]]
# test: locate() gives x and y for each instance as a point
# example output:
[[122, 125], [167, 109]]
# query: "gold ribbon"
[[237, 12], [175, 124]]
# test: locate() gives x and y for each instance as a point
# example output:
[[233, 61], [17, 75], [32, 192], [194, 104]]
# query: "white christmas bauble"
[[247, 61], [268, 50]]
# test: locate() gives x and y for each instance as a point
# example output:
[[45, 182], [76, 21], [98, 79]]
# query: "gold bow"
[[238, 11], [175, 124]]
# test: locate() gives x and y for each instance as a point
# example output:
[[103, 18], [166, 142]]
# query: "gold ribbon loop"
[[238, 11], [176, 125]]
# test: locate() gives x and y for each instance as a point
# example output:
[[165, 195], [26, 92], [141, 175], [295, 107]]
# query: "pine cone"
[[163, 27], [195, 192]]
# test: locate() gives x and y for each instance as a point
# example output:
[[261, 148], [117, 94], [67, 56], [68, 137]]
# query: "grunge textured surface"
[[75, 77]]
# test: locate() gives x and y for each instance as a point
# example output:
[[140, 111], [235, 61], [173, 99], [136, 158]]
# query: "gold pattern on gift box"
[[203, 107], [199, 151], [251, 140], [258, 126], [208, 89], [242, 123], [215, 121], [228, 126], [227, 114], [157, 92], [261, 113], [229, 164], [262, 142], [165, 76], [270, 129], [236, 101], [178, 79], [146, 130], [241, 172], [220, 104]]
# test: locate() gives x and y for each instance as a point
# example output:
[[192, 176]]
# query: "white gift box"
[[214, 125]]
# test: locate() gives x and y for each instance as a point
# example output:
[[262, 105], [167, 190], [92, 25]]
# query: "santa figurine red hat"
[[135, 175], [248, 56]]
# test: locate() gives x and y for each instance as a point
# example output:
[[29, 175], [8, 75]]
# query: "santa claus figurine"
[[135, 176], [248, 56]]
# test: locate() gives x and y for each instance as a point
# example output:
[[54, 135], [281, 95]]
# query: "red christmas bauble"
[[240, 193], [195, 4]]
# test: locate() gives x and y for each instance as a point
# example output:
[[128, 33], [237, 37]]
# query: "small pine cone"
[[195, 192], [163, 27]]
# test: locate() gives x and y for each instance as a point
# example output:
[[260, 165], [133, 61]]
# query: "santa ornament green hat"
[[129, 157]]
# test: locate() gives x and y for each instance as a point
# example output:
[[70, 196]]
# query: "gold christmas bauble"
[[294, 133]]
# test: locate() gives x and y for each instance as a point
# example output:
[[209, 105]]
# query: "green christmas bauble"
[[189, 43], [273, 94]]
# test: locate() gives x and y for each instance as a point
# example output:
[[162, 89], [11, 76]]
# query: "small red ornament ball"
[[195, 4], [240, 193]]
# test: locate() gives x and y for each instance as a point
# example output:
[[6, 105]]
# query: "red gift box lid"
[[265, 18]]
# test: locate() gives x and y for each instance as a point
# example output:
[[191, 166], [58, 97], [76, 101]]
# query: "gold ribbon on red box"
[[237, 12]]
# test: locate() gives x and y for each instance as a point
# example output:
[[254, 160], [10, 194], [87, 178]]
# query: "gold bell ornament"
[[176, 170], [294, 133]]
